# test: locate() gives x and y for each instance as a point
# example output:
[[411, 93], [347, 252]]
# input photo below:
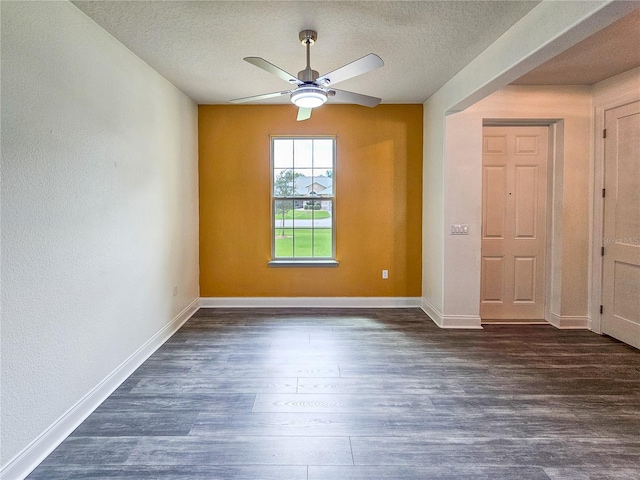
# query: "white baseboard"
[[450, 321], [567, 322], [434, 314], [310, 302], [29, 458]]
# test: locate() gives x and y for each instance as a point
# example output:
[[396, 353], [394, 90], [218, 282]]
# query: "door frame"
[[553, 240]]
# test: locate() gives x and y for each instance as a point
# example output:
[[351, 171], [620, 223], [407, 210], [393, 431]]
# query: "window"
[[302, 201]]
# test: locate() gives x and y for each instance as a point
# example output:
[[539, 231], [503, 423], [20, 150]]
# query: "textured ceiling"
[[199, 45], [612, 50]]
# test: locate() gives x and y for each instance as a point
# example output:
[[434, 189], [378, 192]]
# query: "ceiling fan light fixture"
[[308, 97]]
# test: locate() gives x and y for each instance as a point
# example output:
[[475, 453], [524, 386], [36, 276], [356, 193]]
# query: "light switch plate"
[[460, 229]]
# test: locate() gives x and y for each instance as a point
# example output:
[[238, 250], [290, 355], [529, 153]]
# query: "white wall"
[[569, 106], [548, 29], [99, 211]]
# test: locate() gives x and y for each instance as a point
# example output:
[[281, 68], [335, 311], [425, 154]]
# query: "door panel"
[[526, 201], [527, 145], [495, 143], [495, 182], [626, 298], [514, 184], [492, 279], [524, 284], [621, 263]]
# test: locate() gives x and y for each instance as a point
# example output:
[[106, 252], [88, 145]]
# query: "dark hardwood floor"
[[291, 394]]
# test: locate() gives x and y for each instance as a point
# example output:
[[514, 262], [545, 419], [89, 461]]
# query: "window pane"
[[322, 216], [310, 206], [283, 183], [282, 153], [302, 242], [323, 172], [303, 153], [284, 243], [323, 153], [283, 214], [324, 182], [322, 239], [303, 180]]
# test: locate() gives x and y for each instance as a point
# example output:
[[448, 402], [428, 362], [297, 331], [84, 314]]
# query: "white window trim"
[[302, 262], [305, 263]]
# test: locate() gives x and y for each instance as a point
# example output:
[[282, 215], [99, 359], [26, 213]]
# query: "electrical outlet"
[[385, 274], [175, 291]]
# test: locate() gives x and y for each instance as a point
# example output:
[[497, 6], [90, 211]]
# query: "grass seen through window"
[[300, 242]]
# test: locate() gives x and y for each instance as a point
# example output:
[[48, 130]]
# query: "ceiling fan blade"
[[271, 68], [350, 70], [357, 98], [255, 98], [304, 114]]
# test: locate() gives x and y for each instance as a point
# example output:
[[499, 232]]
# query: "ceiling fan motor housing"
[[308, 75]]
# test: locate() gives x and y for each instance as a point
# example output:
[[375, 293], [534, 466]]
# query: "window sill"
[[303, 263]]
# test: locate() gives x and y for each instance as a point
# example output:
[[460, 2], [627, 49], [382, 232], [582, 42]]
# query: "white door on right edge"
[[621, 262], [514, 208]]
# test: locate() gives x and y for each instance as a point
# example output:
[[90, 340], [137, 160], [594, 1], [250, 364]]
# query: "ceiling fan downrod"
[[308, 38]]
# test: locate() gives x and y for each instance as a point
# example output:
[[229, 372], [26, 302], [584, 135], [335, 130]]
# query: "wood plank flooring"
[[339, 394]]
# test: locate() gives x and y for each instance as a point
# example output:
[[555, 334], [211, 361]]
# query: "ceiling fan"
[[312, 90]]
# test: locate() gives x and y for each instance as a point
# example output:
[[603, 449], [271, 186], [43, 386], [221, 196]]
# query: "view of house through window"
[[303, 197]]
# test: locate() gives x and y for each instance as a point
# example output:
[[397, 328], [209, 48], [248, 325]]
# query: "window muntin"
[[303, 197]]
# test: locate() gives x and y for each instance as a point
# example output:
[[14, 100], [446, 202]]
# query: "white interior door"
[[621, 262], [514, 184]]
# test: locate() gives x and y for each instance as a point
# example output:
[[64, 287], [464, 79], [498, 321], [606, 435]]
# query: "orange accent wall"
[[378, 209]]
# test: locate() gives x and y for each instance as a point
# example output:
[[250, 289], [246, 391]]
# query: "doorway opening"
[[521, 193]]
